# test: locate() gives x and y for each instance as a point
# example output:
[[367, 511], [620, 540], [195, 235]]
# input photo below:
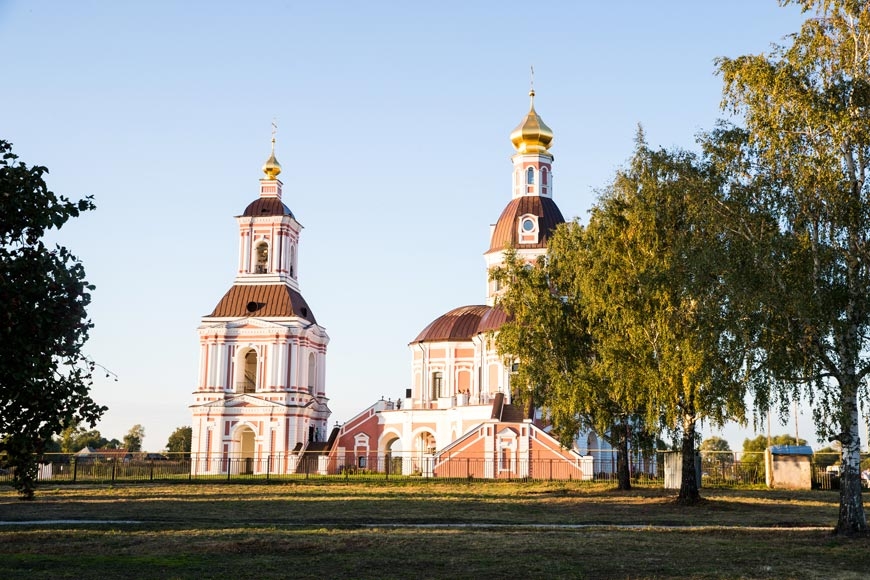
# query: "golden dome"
[[272, 168], [532, 135]]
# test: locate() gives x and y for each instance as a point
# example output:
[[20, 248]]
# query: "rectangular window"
[[437, 384]]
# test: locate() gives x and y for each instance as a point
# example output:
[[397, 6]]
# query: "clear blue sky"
[[393, 133]]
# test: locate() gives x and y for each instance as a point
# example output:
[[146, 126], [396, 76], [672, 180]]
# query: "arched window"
[[292, 261], [312, 371], [544, 176], [530, 176], [247, 382], [262, 257]]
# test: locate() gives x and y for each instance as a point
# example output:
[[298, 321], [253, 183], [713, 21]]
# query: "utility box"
[[789, 467], [674, 469]]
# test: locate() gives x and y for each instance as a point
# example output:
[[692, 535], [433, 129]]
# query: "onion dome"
[[505, 234], [272, 168], [532, 135], [459, 324]]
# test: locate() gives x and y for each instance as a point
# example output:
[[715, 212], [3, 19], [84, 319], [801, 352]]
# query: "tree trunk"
[[623, 473], [851, 519], [689, 493]]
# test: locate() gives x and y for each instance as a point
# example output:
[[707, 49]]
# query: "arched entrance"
[[243, 445], [392, 457], [424, 453]]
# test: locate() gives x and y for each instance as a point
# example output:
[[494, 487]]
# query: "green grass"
[[413, 530]]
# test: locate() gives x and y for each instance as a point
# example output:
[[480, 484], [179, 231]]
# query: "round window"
[[528, 225]]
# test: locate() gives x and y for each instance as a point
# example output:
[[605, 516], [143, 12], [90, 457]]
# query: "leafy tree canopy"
[[547, 334], [44, 377], [759, 443], [655, 286], [714, 444], [180, 440], [134, 438]]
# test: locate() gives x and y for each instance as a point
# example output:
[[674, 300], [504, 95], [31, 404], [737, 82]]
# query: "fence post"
[[114, 464], [75, 469], [268, 465], [151, 471], [229, 467]]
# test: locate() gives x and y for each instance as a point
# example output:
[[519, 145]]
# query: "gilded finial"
[[532, 135], [272, 168]]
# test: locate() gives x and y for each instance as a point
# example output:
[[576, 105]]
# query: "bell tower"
[[260, 400], [268, 235], [528, 220]]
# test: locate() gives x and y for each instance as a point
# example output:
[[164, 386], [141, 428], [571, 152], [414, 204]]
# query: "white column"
[[219, 364], [211, 370], [202, 383], [294, 364], [321, 373]]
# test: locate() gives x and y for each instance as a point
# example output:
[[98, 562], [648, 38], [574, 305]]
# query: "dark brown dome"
[[458, 324], [505, 234], [266, 206], [262, 300]]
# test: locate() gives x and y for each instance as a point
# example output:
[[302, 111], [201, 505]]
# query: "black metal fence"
[[717, 469]]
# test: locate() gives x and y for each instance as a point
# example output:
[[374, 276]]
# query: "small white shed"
[[789, 467]]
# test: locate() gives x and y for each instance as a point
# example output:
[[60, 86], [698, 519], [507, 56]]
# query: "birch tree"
[[806, 109]]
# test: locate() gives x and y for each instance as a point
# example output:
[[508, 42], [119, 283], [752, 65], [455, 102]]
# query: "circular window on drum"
[[528, 225]]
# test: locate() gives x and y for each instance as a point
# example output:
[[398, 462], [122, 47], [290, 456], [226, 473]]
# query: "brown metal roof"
[[267, 206], [505, 233], [458, 324], [492, 320], [263, 300]]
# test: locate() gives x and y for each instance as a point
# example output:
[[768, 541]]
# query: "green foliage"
[[753, 449], [759, 443], [180, 441], [655, 283], [75, 437], [134, 437], [806, 161], [44, 378], [547, 333], [714, 444], [826, 456]]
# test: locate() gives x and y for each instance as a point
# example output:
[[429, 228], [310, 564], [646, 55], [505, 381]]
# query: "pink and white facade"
[[261, 391]]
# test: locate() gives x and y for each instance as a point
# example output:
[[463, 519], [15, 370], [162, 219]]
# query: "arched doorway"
[[424, 453], [392, 457], [243, 444]]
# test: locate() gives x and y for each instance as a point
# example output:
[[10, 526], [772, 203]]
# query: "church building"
[[261, 394], [457, 419]]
